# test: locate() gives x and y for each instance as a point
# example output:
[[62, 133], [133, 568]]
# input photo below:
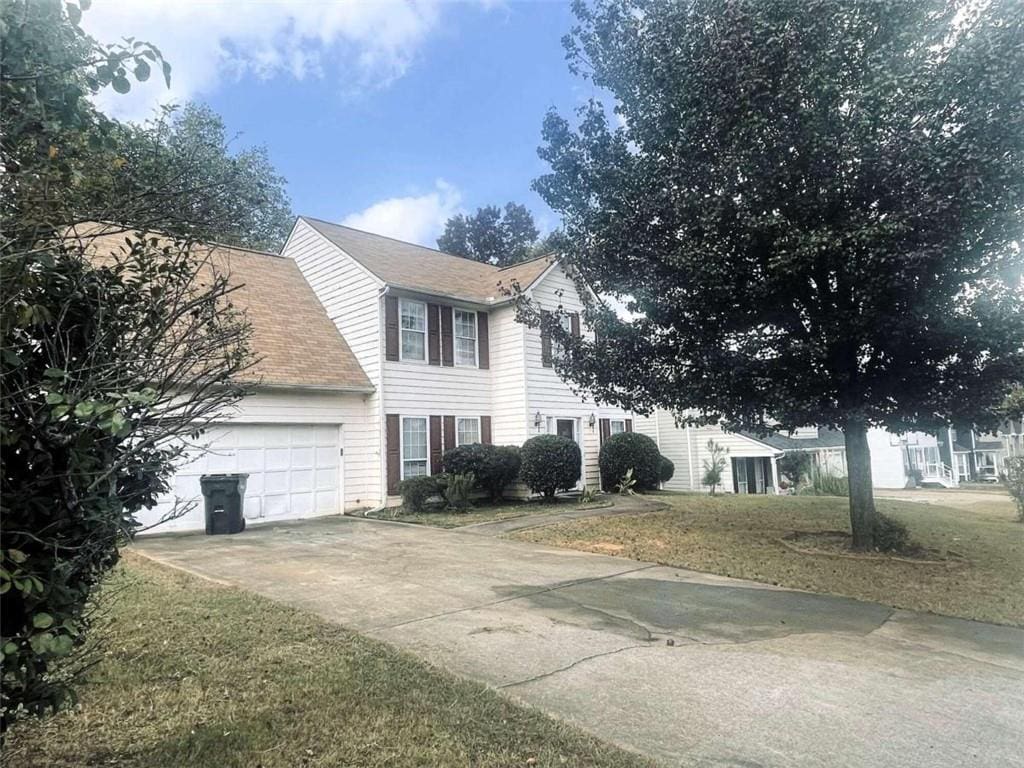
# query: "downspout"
[[689, 459]]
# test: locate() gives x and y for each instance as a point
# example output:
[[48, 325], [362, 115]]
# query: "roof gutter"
[[336, 388]]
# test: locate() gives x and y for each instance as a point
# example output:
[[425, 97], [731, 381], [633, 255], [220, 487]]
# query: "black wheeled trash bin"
[[224, 496]]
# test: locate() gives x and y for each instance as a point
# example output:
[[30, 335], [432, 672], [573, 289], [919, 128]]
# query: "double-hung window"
[[566, 322], [414, 446], [467, 430], [414, 329], [615, 426], [465, 338]]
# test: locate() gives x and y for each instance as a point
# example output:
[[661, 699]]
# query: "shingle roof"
[[295, 341], [827, 438], [425, 270]]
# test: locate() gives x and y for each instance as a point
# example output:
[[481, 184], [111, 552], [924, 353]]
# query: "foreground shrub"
[[796, 465], [1013, 479], [550, 463], [630, 451], [494, 466], [666, 469], [714, 466], [416, 491]]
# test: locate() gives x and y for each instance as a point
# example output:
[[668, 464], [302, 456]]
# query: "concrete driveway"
[[685, 667]]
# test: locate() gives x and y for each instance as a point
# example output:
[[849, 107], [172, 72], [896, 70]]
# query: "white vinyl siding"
[[414, 446], [351, 297], [413, 323], [467, 430], [465, 338]]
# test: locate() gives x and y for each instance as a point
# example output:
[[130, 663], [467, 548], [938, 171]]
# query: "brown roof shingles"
[[295, 342], [416, 268]]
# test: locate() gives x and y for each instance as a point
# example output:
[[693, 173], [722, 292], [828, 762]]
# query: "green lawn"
[[740, 536], [195, 674], [482, 512]]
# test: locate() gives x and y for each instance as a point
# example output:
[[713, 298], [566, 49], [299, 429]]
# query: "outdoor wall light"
[[536, 420], [592, 421]]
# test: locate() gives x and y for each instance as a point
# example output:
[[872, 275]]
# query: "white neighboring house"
[[310, 403], [751, 464], [448, 362]]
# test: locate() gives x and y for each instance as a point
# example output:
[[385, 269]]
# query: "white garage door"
[[294, 471]]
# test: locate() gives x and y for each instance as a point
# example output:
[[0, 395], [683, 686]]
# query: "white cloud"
[[360, 44], [415, 219]]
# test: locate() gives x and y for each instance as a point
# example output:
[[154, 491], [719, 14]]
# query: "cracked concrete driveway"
[[688, 668]]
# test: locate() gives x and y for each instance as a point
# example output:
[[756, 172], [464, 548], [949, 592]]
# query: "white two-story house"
[[437, 337]]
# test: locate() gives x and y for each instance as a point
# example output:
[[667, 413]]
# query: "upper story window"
[[414, 329], [467, 430], [465, 338], [615, 426], [566, 322]]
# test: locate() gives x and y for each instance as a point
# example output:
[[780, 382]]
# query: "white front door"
[[295, 471]]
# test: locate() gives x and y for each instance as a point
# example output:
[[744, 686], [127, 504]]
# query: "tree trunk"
[[862, 498]]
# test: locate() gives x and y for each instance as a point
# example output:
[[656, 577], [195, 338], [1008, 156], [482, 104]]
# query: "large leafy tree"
[[184, 157], [812, 207], [494, 236], [112, 357]]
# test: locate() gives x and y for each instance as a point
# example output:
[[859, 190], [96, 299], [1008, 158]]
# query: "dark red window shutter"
[[447, 338], [393, 447], [574, 323], [629, 425], [483, 341], [545, 341], [434, 334], [606, 429], [435, 445], [485, 430], [449, 432], [391, 327]]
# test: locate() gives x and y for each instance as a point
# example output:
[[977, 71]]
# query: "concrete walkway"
[[691, 669], [620, 505]]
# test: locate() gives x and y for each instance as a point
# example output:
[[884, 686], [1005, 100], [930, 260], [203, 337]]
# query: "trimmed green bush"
[[494, 466], [550, 463], [666, 469], [416, 490], [630, 450]]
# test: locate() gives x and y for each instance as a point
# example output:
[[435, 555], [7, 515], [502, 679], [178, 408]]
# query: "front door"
[[566, 428]]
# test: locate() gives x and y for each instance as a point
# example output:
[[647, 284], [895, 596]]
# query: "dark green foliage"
[[493, 236], [796, 465], [456, 488], [826, 484], [666, 469], [416, 491], [550, 463], [891, 535], [630, 450], [811, 208], [106, 371], [494, 466]]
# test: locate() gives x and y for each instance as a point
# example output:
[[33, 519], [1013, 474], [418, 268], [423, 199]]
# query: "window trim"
[[467, 418], [401, 445], [621, 421], [456, 337], [402, 331]]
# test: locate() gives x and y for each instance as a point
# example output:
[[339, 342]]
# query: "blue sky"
[[390, 115]]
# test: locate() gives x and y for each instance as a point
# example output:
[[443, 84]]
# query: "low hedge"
[[416, 491], [494, 466]]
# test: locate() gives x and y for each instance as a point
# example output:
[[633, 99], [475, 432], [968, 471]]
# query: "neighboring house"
[[979, 457], [309, 400]]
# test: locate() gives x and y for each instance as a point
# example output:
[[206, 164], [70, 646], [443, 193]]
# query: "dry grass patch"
[[482, 513], [742, 536], [198, 675]]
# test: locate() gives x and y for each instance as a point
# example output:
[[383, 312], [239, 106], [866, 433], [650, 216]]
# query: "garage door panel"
[[294, 471]]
